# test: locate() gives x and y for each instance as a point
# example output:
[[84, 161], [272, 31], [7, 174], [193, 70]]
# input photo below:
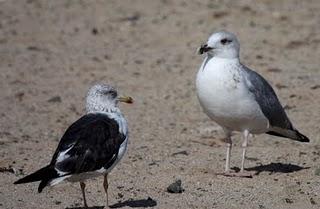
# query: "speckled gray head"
[[221, 44], [104, 98]]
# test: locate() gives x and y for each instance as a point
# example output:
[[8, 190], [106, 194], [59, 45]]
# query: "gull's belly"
[[225, 99]]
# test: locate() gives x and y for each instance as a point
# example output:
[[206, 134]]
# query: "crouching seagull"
[[91, 146], [237, 98]]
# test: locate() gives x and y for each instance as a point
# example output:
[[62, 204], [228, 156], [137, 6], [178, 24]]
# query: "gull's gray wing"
[[267, 99], [269, 103]]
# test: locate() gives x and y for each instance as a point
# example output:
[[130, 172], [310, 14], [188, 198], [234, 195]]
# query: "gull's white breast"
[[225, 98]]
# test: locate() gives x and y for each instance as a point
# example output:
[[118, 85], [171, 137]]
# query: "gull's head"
[[104, 98], [222, 44]]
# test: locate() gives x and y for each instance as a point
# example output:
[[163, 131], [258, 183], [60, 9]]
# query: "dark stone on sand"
[[175, 187], [55, 99], [288, 200], [184, 152]]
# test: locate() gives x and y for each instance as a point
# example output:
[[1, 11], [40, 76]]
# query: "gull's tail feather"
[[291, 134], [44, 175], [301, 137]]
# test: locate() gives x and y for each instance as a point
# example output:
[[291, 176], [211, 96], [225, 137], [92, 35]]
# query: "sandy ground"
[[52, 51]]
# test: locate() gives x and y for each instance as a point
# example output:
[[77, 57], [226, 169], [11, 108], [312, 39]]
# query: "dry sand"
[[52, 51]]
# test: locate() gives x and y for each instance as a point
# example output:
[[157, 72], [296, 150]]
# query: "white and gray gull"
[[91, 146], [237, 98]]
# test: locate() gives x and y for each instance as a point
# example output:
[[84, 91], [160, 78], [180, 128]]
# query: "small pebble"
[[55, 99], [289, 201], [312, 201], [175, 187], [184, 152]]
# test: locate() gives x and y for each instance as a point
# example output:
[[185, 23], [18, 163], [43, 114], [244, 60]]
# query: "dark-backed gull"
[[91, 146]]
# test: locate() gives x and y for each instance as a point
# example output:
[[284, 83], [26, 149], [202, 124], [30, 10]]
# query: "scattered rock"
[[281, 86], [139, 62], [175, 187], [302, 153], [184, 130], [274, 70], [20, 96], [120, 187], [96, 59], [26, 137], [220, 14], [184, 152], [247, 8], [55, 99], [288, 200], [252, 159], [312, 201], [94, 31], [315, 87], [7, 169], [288, 107], [57, 202], [107, 57], [153, 163], [74, 109], [33, 48], [120, 195], [133, 18], [295, 44]]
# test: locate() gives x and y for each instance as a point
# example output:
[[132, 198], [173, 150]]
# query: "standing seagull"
[[91, 146], [237, 98]]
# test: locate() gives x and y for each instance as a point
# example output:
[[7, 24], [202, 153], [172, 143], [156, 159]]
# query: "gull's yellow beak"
[[125, 99]]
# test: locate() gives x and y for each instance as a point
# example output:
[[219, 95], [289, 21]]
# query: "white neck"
[[223, 59], [217, 60], [101, 108], [227, 53]]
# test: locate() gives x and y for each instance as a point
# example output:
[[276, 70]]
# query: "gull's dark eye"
[[110, 93], [113, 94], [225, 41]]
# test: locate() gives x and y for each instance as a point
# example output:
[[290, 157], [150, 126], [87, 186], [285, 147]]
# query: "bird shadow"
[[93, 207], [276, 168], [142, 203]]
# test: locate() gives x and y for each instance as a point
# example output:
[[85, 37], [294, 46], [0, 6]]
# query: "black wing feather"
[[95, 140]]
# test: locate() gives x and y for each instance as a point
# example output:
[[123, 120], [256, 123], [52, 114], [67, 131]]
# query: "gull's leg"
[[229, 147], [83, 186], [244, 146], [228, 156], [242, 173], [106, 185]]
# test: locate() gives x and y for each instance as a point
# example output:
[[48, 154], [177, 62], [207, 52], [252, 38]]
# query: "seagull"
[[237, 98], [91, 146]]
